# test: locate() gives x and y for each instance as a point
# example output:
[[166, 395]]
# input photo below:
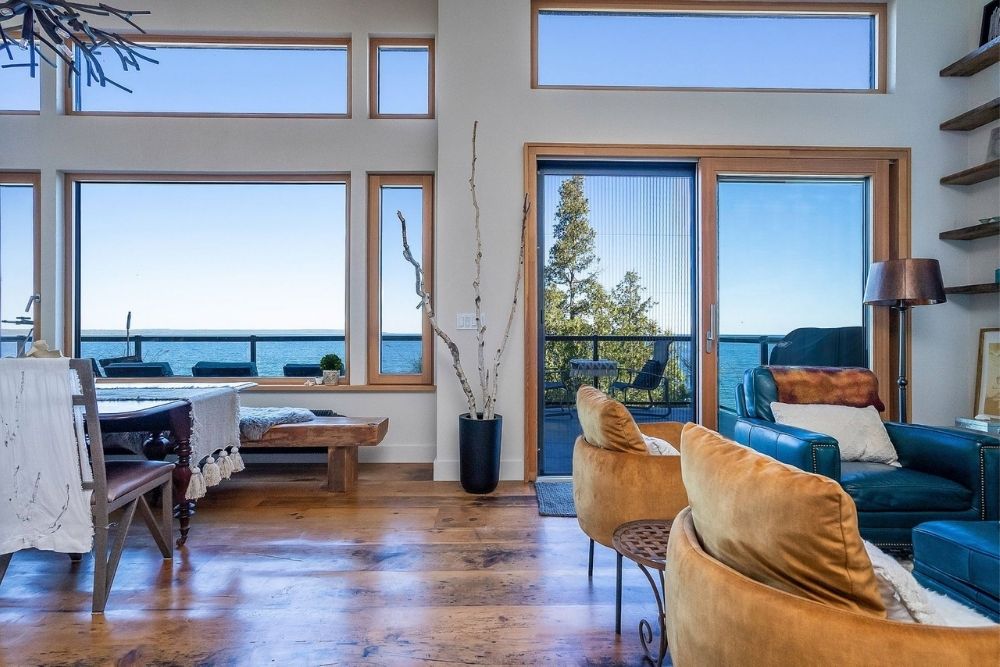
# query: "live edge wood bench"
[[340, 435]]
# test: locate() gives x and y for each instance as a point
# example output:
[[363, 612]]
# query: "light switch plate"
[[466, 321]]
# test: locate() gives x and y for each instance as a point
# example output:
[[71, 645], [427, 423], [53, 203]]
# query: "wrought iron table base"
[[646, 628]]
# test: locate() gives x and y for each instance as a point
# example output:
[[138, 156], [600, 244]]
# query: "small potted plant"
[[331, 365]]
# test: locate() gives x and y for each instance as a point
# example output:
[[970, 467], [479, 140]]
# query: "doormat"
[[555, 498]]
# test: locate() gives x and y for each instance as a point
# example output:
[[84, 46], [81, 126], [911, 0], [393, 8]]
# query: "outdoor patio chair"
[[146, 369], [558, 387], [301, 370], [813, 346], [224, 369], [116, 485]]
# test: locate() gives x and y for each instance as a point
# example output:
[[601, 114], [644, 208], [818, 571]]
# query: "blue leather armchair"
[[945, 474]]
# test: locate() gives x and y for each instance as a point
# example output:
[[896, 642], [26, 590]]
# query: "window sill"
[[278, 388], [280, 385]]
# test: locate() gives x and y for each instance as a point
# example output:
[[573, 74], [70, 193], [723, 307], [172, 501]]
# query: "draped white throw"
[[43, 459]]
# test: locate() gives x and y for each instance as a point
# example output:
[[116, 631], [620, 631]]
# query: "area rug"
[[555, 498]]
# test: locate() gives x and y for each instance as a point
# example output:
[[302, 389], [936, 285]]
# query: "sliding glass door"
[[791, 252], [615, 258]]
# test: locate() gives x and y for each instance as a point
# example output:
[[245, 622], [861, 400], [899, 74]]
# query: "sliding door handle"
[[712, 334]]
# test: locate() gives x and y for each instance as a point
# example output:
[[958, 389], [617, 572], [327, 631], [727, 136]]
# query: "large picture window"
[[742, 46], [234, 76], [400, 344], [244, 271]]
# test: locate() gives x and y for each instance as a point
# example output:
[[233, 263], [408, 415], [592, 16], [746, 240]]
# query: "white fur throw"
[[907, 601]]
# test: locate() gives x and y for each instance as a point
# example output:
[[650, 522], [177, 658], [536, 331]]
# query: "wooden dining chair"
[[117, 485]]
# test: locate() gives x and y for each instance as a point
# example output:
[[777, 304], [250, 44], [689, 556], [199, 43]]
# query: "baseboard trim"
[[378, 454], [448, 471]]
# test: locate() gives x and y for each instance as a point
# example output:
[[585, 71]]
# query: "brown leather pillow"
[[853, 387], [606, 423], [791, 530]]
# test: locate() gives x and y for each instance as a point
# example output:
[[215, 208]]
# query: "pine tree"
[[572, 264], [576, 304]]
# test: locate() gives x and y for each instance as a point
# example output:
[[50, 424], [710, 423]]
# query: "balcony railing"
[[731, 366], [176, 354]]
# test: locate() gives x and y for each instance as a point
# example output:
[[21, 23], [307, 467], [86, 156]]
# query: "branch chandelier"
[[61, 25]]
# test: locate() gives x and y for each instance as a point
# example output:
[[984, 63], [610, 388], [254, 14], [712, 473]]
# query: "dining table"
[[164, 414]]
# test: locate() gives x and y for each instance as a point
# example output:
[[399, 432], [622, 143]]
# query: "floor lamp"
[[901, 284]]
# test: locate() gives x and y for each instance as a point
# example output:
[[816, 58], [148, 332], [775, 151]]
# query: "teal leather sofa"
[[946, 474]]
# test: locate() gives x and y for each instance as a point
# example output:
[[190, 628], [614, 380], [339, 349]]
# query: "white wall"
[[483, 51], [54, 143], [483, 73]]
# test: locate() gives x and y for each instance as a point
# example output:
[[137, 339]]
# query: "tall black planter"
[[479, 452]]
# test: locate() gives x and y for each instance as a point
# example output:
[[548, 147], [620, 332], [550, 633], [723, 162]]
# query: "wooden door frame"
[[33, 179], [890, 239]]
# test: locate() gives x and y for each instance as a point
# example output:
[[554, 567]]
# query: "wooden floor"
[[405, 572]]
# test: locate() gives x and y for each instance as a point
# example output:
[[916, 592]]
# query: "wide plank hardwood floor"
[[406, 571]]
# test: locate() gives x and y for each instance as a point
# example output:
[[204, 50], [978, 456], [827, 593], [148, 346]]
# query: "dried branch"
[[428, 308], [489, 408], [480, 327]]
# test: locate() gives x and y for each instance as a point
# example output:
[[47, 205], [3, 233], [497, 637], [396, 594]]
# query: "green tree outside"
[[576, 304]]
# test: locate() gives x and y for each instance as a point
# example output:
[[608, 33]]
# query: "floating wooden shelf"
[[972, 232], [970, 120], [985, 288], [973, 175], [977, 61]]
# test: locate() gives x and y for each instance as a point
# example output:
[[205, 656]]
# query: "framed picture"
[[990, 27], [988, 375]]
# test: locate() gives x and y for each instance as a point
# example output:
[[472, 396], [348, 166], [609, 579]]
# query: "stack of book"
[[991, 426]]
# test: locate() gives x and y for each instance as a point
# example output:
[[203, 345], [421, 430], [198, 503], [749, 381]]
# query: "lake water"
[[397, 357]]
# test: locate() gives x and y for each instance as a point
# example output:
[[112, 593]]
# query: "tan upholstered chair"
[[767, 567], [611, 488], [717, 616]]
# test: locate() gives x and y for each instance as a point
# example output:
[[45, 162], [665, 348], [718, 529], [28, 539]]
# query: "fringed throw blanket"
[[43, 459], [255, 421], [853, 387], [215, 435]]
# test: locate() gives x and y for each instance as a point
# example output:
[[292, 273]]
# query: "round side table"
[[645, 543]]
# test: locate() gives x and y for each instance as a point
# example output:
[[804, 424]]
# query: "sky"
[[791, 254], [699, 51], [403, 80], [18, 91], [212, 256]]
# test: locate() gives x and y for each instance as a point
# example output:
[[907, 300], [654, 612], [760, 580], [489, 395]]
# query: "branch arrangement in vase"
[[489, 377]]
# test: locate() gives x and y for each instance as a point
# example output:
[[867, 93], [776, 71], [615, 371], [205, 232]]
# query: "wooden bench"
[[340, 435]]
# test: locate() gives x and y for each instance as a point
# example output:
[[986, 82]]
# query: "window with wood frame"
[[400, 340], [226, 76], [836, 47], [401, 77], [210, 276], [20, 276], [20, 92]]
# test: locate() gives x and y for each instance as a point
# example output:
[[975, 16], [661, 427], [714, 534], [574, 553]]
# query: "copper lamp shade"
[[905, 282], [901, 284]]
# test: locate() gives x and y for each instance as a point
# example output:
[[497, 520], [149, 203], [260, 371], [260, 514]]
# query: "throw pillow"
[[785, 528], [606, 423], [659, 447], [859, 432]]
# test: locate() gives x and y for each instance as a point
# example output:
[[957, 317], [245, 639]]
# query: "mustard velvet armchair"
[[611, 488], [717, 616]]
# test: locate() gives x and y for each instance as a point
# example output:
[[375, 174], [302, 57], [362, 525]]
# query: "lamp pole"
[[902, 308]]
